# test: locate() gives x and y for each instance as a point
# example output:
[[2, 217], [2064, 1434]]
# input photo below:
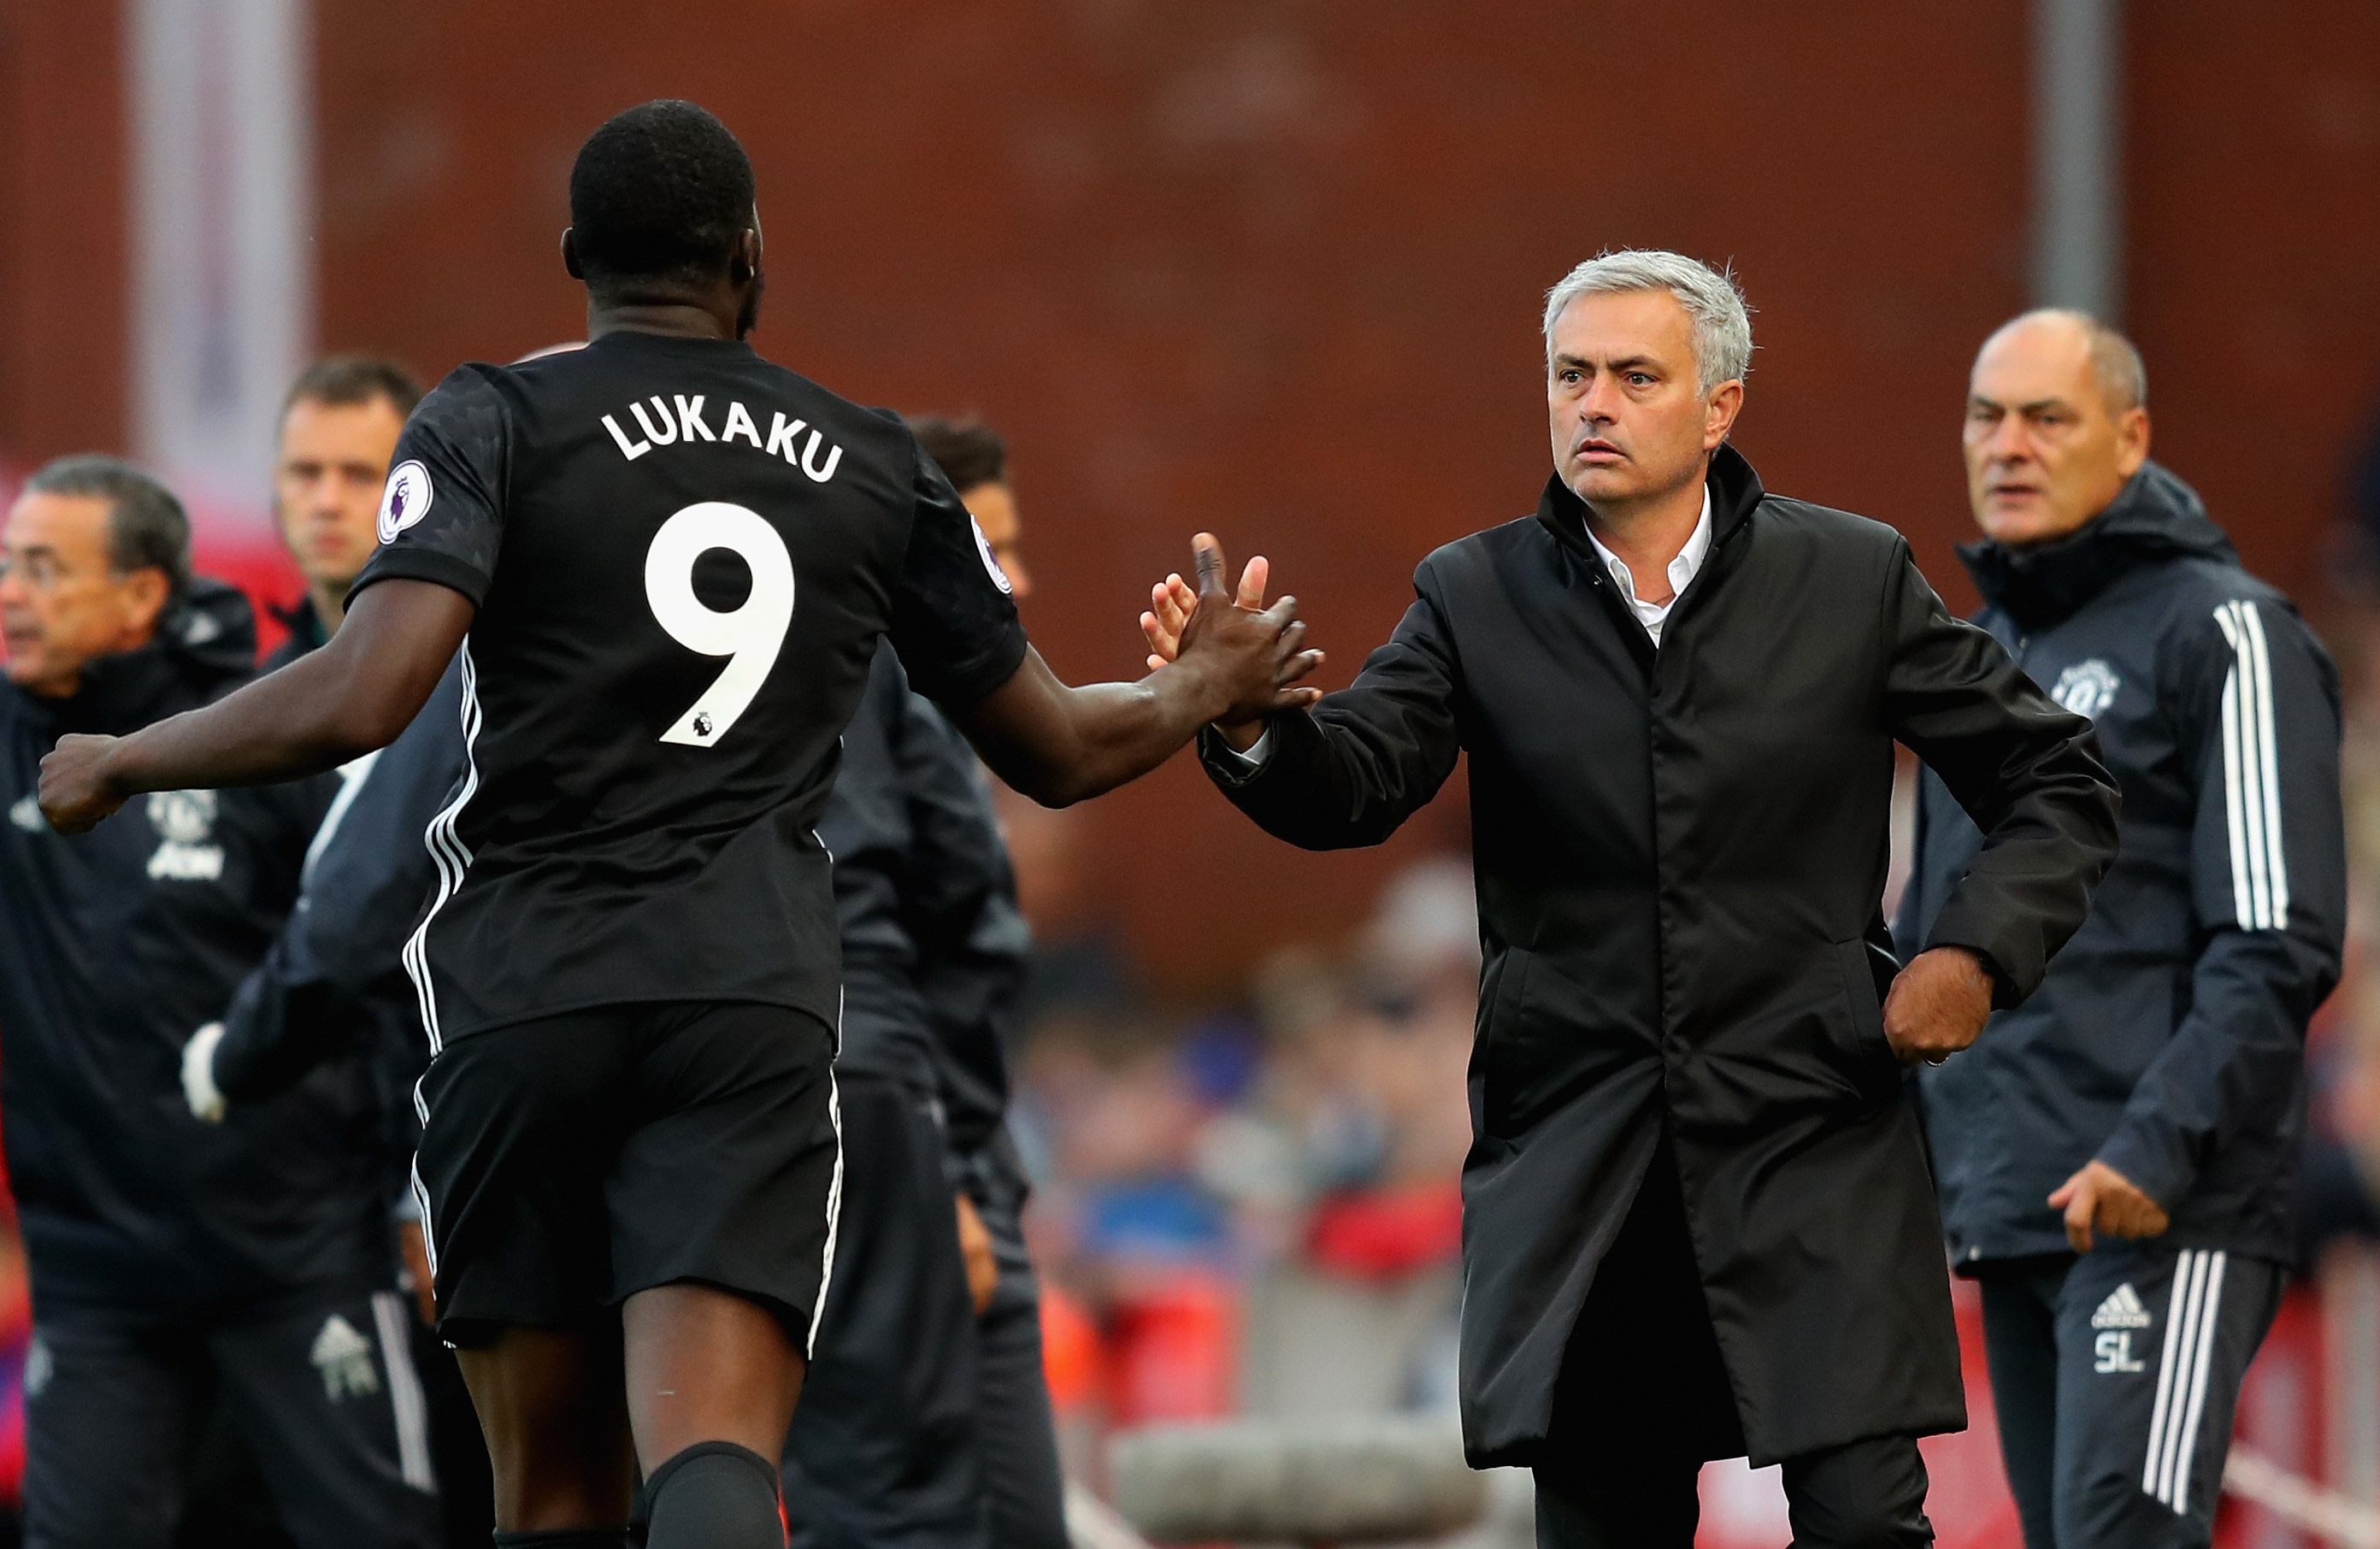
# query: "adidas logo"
[[27, 814], [344, 1359], [2121, 1309]]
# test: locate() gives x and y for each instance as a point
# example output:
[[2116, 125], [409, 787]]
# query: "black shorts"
[[570, 1162]]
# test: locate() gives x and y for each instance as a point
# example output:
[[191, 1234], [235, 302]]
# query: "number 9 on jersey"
[[750, 634]]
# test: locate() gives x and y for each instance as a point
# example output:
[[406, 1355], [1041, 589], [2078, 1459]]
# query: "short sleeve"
[[953, 622], [442, 511]]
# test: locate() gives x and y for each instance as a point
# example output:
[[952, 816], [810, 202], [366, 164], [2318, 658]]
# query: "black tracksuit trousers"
[[2115, 1375], [920, 1426]]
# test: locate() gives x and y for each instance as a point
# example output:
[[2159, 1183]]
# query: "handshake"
[[1177, 619]]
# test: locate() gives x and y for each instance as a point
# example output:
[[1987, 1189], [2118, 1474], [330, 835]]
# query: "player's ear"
[[570, 254], [747, 261]]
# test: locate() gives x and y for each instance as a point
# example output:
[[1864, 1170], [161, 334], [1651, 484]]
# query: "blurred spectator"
[[1263, 1216]]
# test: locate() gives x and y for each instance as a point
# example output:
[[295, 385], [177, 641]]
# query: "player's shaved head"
[[660, 194]]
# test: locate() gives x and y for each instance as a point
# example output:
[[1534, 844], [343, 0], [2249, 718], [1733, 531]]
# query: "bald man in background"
[[2116, 1154]]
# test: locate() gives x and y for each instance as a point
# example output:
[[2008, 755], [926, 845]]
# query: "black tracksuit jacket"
[[2168, 1038], [1680, 857], [115, 947], [334, 983], [934, 948]]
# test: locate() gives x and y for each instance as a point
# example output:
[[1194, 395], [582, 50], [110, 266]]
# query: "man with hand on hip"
[[1697, 1217]]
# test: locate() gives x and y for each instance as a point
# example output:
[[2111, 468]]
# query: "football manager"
[[2117, 1154], [1698, 1215]]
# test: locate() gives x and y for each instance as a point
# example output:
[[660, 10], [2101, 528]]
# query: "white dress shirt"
[[1652, 615]]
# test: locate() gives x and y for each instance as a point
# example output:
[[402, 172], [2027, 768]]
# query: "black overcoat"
[[1681, 854]]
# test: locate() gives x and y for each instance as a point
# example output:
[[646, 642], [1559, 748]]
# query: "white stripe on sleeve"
[[2275, 860], [2252, 795]]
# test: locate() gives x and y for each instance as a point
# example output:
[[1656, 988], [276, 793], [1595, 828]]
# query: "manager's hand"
[[2100, 1196], [1171, 603], [1937, 1006]]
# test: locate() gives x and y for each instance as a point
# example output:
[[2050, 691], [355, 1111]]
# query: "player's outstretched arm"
[[351, 697], [1059, 744]]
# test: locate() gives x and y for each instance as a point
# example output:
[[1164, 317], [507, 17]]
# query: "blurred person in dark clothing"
[[339, 427], [2117, 1156], [305, 1003], [926, 1418], [1696, 1179], [174, 1265]]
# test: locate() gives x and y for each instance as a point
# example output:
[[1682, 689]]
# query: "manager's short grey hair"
[[147, 529], [1722, 322]]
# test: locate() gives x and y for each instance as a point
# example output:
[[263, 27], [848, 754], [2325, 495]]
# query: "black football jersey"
[[683, 557]]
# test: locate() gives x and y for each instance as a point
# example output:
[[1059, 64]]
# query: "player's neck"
[[680, 320]]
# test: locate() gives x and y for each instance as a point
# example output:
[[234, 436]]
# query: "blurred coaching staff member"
[[1697, 1219], [172, 1260], [925, 1419], [339, 427], [2143, 1109]]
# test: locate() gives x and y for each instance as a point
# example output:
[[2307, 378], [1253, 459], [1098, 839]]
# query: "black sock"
[[566, 1538], [714, 1495]]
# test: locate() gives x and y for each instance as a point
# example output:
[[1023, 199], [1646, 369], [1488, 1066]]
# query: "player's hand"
[[976, 1249], [76, 790], [2102, 1197], [199, 1087], [1937, 1006], [1171, 603], [1258, 655]]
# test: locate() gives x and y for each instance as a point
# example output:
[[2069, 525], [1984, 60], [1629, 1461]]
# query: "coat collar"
[[1735, 494]]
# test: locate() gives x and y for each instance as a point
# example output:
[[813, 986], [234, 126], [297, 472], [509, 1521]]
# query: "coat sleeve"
[[1351, 769], [285, 1019], [2025, 770], [2260, 721], [271, 1012]]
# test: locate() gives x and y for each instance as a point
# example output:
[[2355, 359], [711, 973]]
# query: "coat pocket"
[[1865, 972], [1498, 1063]]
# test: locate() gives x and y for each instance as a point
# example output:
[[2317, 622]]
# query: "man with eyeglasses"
[[174, 1265]]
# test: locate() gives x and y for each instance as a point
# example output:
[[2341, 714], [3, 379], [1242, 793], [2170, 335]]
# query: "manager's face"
[[1629, 419]]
